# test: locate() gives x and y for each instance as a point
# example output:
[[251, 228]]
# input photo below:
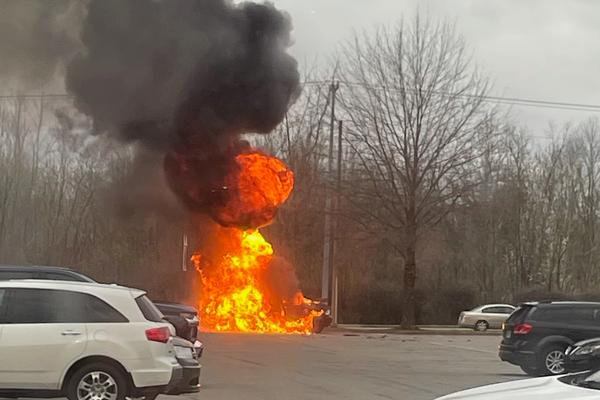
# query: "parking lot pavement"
[[337, 366]]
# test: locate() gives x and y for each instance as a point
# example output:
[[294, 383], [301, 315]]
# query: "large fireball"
[[256, 188], [245, 289]]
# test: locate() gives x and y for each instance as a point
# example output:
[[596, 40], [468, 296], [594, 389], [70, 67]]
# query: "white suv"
[[85, 341]]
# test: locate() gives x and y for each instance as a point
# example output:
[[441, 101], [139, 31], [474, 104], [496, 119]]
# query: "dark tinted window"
[[99, 311], [489, 310], [2, 297], [520, 314], [148, 309], [31, 306], [7, 275], [567, 314], [497, 310], [506, 310]]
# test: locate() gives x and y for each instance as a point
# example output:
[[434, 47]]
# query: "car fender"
[[68, 371], [553, 339]]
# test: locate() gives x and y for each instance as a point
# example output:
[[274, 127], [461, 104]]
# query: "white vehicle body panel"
[[468, 319], [39, 355], [547, 388], [34, 355]]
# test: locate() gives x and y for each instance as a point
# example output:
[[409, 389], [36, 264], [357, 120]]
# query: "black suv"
[[536, 335], [184, 318]]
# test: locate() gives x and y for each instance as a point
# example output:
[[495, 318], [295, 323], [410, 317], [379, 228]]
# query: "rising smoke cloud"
[[185, 77], [181, 79]]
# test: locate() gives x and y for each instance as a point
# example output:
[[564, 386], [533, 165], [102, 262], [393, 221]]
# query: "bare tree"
[[416, 125]]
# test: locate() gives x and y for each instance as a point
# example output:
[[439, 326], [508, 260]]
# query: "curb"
[[397, 331]]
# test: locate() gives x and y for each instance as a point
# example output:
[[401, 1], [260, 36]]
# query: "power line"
[[516, 101], [35, 96], [561, 105]]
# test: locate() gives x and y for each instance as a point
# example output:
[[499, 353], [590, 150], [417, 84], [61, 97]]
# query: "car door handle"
[[70, 333]]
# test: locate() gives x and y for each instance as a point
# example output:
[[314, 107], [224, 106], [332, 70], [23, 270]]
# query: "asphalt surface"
[[357, 367]]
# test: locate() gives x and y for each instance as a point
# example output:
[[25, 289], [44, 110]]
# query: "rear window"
[[148, 309], [519, 314]]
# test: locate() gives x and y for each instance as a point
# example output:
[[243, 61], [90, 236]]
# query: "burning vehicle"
[[250, 289]]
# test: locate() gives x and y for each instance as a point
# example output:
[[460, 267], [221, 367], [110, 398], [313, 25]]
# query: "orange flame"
[[235, 295], [233, 298], [256, 190]]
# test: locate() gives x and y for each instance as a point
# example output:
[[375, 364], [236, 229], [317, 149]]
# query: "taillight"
[[161, 334], [522, 329]]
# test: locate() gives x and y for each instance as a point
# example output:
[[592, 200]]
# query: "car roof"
[[496, 305], [65, 271], [34, 267], [86, 287], [560, 303], [167, 306]]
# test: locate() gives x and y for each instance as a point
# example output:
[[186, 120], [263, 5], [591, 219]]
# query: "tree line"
[[444, 202]]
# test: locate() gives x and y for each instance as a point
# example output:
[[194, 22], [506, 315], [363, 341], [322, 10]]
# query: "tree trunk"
[[410, 278]]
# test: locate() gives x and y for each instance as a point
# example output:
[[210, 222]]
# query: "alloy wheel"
[[97, 385], [555, 362]]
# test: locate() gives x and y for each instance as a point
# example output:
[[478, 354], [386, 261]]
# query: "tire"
[[551, 360], [107, 381], [529, 370], [481, 326]]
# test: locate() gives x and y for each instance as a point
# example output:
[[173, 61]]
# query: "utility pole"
[[184, 252], [328, 236], [336, 238]]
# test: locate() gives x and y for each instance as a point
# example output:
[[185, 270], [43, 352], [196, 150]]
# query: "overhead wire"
[[516, 101], [561, 105]]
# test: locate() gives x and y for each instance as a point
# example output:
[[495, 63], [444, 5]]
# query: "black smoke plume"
[[184, 78]]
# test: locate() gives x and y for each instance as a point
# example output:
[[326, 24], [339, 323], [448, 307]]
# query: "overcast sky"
[[535, 49]]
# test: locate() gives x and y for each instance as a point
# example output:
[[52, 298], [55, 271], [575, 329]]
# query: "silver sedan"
[[484, 317]]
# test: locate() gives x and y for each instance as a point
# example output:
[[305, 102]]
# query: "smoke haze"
[[36, 39], [181, 79]]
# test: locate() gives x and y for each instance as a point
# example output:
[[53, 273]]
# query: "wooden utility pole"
[[336, 235], [184, 252], [328, 236]]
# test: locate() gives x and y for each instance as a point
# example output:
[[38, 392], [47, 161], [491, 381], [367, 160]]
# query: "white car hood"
[[547, 388]]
